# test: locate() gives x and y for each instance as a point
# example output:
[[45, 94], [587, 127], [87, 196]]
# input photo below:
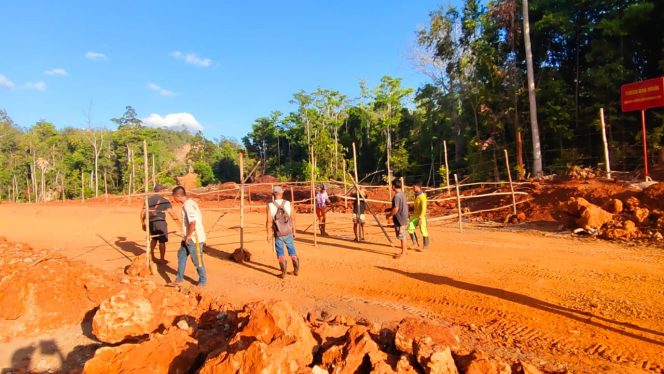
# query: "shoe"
[[425, 239]]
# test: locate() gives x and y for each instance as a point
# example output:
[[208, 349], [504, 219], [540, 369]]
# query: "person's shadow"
[[577, 315], [22, 357], [129, 246]]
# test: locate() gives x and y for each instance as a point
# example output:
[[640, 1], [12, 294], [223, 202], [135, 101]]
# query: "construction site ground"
[[530, 290]]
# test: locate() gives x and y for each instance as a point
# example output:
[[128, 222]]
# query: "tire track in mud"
[[508, 329]]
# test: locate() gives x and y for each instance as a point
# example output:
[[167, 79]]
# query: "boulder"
[[593, 217], [641, 214], [488, 366], [435, 359], [632, 203], [175, 352], [527, 368], [412, 329], [128, 314], [614, 206], [274, 338]]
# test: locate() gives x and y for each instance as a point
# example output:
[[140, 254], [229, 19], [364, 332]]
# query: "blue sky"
[[218, 64]]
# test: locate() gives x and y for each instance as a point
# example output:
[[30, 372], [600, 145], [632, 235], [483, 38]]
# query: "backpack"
[[281, 222]]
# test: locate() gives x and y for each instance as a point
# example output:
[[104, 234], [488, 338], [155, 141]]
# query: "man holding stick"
[[280, 219], [158, 207], [399, 215], [194, 239]]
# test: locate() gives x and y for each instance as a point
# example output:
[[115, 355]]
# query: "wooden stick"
[[509, 176], [313, 194], [606, 144], [241, 201], [343, 165], [146, 177], [456, 184], [447, 168], [105, 187], [82, 186], [357, 191], [154, 178]]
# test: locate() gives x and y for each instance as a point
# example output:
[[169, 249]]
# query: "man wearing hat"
[[158, 206], [280, 220]]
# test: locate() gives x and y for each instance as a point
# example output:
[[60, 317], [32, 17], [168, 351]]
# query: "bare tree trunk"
[[537, 151], [389, 156]]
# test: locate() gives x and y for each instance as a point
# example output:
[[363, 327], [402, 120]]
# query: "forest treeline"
[[476, 103]]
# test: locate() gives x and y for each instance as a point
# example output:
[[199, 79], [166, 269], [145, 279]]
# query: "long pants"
[[412, 224], [190, 250]]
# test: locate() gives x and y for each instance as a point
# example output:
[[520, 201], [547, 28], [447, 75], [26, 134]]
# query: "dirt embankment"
[[140, 326]]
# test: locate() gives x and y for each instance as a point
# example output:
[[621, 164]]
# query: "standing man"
[[193, 243], [399, 214], [280, 220], [158, 206], [359, 208], [419, 217], [322, 202]]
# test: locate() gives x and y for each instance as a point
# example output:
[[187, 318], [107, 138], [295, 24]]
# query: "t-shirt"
[[420, 205], [192, 213], [273, 207], [399, 201], [321, 199], [158, 206], [363, 206]]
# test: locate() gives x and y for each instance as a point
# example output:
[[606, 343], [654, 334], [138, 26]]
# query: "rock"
[[328, 335], [593, 217], [405, 366], [641, 214], [128, 314], [434, 359], [241, 255], [488, 366], [275, 338], [175, 352], [521, 217], [411, 329], [138, 267], [614, 206], [359, 354], [527, 368], [183, 325], [632, 203], [318, 370], [630, 228]]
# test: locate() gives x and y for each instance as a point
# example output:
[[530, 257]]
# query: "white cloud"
[[95, 56], [57, 71], [173, 120], [5, 82], [162, 91], [192, 58], [38, 86]]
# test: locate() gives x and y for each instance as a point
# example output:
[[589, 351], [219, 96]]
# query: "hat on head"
[[277, 189], [158, 187]]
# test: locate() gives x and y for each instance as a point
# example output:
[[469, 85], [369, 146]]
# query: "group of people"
[[279, 225]]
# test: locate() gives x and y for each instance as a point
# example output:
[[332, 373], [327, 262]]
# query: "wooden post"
[[249, 194], [458, 197], [509, 177], [241, 201], [606, 144], [105, 187], [645, 145], [313, 193], [82, 186], [133, 172], [146, 179], [343, 166], [447, 168]]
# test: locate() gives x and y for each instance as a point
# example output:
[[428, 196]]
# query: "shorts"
[[320, 212], [400, 231], [159, 231], [362, 220]]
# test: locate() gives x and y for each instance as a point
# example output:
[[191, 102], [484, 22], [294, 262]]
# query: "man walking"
[[399, 215], [193, 243], [359, 207], [322, 202], [280, 220], [419, 217], [158, 206]]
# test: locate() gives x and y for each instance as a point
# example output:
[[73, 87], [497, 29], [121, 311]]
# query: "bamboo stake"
[[241, 201], [357, 191], [447, 168], [456, 184], [82, 186], [133, 172], [105, 187], [343, 166], [509, 176], [154, 178], [313, 192], [146, 177], [606, 143]]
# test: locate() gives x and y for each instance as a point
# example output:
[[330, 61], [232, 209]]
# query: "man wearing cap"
[[280, 220], [158, 206]]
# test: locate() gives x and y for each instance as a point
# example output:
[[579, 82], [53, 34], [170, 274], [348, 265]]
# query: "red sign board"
[[642, 95]]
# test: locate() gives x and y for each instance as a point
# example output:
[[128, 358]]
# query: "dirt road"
[[583, 305]]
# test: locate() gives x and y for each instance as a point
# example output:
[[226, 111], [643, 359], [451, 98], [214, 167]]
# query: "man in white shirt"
[[280, 220], [194, 239]]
